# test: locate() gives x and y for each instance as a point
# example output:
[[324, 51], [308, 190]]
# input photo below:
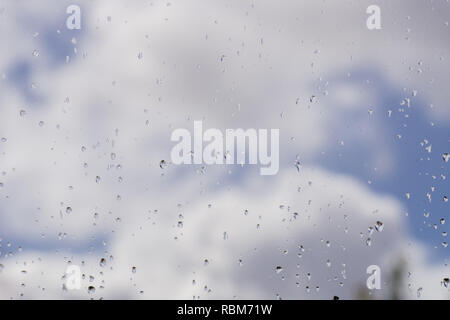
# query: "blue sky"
[[138, 71]]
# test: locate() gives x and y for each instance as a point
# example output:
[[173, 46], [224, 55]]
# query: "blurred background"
[[86, 117]]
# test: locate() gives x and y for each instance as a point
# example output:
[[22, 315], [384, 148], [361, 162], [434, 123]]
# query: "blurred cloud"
[[87, 117]]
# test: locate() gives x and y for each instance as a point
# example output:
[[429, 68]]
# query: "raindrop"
[[278, 269], [68, 210], [445, 157], [162, 164], [445, 282], [369, 242], [379, 226], [297, 165], [91, 289], [419, 292], [102, 262], [97, 179], [133, 269]]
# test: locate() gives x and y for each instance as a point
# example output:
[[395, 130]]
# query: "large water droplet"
[[379, 226], [445, 157], [445, 282]]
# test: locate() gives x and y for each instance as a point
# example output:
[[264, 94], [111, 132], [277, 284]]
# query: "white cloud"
[[235, 65]]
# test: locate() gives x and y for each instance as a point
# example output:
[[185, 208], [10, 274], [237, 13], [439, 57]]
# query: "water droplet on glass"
[[445, 157], [419, 292], [297, 165], [379, 226]]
